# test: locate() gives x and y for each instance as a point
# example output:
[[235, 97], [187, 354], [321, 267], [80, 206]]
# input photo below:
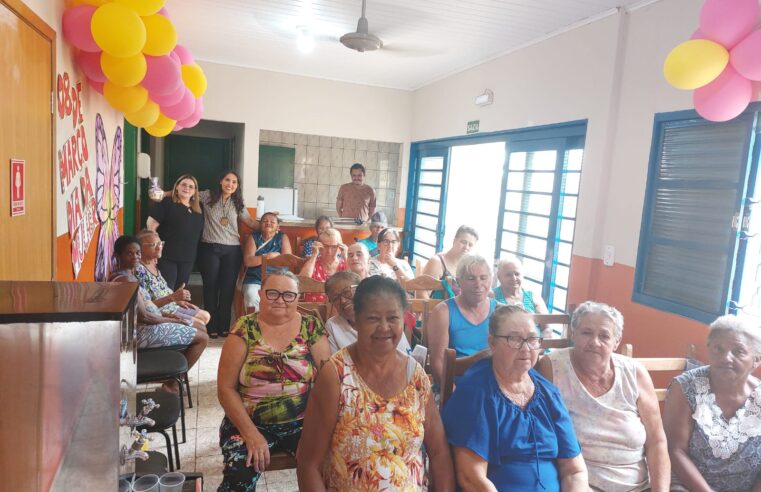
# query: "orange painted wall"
[[653, 333], [64, 271]]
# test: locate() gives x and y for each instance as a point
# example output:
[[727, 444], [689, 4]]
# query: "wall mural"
[[74, 175], [108, 193]]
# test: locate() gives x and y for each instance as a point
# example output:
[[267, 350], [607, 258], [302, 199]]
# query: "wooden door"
[[26, 132]]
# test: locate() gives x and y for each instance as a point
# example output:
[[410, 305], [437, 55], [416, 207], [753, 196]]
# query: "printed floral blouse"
[[274, 386], [156, 287], [377, 442]]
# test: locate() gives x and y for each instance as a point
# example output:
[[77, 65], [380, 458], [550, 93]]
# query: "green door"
[[203, 157]]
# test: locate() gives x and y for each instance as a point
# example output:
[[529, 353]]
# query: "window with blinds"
[[692, 227]]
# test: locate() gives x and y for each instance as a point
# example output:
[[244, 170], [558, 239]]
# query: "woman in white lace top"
[[712, 415]]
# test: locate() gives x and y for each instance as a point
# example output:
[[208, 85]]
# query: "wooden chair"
[[418, 267], [421, 284], [666, 364], [556, 319], [290, 262]]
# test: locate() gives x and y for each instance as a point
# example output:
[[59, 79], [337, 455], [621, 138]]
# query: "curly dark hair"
[[122, 242], [237, 195]]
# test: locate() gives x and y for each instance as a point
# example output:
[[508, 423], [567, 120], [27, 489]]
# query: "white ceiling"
[[424, 40]]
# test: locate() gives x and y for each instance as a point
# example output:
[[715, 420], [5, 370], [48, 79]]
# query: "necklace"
[[520, 398], [225, 207]]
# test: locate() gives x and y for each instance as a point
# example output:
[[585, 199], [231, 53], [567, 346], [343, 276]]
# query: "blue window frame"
[[694, 234], [540, 184]]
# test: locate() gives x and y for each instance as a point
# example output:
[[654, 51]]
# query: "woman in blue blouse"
[[507, 424]]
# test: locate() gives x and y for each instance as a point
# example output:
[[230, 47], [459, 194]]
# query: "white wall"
[[274, 101], [608, 72]]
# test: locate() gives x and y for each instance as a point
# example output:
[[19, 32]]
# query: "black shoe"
[[213, 335], [224, 334]]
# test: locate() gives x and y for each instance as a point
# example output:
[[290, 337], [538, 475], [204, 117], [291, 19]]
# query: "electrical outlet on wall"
[[610, 255]]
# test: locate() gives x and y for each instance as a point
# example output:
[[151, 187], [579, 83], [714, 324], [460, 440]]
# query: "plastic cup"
[[171, 482], [124, 485], [146, 483]]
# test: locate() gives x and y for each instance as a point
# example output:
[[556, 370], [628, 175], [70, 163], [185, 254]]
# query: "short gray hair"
[[591, 307], [504, 312], [738, 324], [281, 273], [467, 263], [509, 259]]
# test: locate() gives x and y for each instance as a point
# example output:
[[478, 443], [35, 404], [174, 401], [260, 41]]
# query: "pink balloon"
[[175, 58], [177, 128], [193, 119], [163, 12], [728, 21], [746, 56], [90, 65], [76, 27], [98, 86], [182, 109], [162, 77], [698, 34], [186, 58], [171, 99], [724, 98]]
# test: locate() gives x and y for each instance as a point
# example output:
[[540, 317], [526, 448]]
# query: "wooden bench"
[[665, 365], [288, 261]]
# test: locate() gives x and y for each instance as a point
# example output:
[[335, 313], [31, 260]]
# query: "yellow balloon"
[[161, 36], [124, 72], [162, 127], [194, 79], [118, 30], [143, 7], [125, 99], [75, 3], [695, 63], [145, 116]]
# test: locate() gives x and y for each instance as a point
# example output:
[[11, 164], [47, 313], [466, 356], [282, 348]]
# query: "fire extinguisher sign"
[[18, 187]]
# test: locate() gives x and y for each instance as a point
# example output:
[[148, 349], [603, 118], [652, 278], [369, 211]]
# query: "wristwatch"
[[395, 268]]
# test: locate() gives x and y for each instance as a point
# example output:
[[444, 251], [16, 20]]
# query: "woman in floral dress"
[[265, 375], [372, 409]]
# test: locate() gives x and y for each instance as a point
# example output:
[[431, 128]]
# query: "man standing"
[[356, 200]]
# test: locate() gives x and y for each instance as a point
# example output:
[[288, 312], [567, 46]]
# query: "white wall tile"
[[383, 179], [313, 154], [393, 162], [337, 142], [301, 154], [383, 161], [325, 141], [325, 156], [333, 191], [381, 197], [310, 193], [372, 145], [264, 136], [299, 173], [348, 159], [336, 156], [313, 140], [338, 175], [289, 138], [322, 193], [323, 176], [276, 137], [309, 210], [393, 182], [350, 143], [372, 178], [360, 156], [371, 161], [361, 144], [311, 175], [300, 139]]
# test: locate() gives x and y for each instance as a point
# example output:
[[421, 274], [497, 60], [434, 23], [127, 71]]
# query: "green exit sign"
[[473, 126]]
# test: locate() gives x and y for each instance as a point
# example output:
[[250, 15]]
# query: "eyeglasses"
[[185, 185], [516, 342], [273, 295], [330, 246], [390, 241], [158, 244], [347, 293]]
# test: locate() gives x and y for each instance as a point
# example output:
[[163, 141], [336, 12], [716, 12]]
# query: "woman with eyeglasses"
[[372, 409], [328, 257], [269, 242], [150, 278], [266, 372], [612, 402], [178, 219], [341, 332], [386, 263], [507, 424]]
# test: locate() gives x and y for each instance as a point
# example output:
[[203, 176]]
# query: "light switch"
[[610, 255]]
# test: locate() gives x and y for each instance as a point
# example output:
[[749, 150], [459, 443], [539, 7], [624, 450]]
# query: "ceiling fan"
[[362, 39]]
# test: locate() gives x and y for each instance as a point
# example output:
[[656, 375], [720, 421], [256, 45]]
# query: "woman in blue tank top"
[[462, 323]]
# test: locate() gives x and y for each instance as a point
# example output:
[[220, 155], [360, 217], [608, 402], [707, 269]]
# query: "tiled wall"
[[322, 166]]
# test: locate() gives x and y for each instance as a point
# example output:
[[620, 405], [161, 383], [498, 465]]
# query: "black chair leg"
[[187, 385], [168, 450], [176, 447], [182, 409]]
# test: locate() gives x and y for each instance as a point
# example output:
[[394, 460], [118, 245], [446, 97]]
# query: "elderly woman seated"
[[358, 260], [712, 415], [510, 290], [341, 333], [150, 278], [268, 242], [462, 322], [378, 222], [386, 263], [323, 223], [372, 409], [328, 257], [612, 402], [265, 375], [154, 328], [508, 425]]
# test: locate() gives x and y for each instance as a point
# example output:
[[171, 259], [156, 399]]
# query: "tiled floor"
[[201, 452]]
